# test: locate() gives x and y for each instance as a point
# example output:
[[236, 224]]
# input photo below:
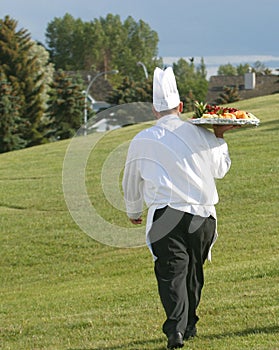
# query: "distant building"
[[262, 85], [103, 125], [97, 106]]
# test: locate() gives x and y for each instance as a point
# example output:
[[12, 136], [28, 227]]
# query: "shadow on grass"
[[139, 345], [135, 345], [244, 332], [263, 127], [270, 125]]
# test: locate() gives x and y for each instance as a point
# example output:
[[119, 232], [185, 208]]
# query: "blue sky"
[[186, 28]]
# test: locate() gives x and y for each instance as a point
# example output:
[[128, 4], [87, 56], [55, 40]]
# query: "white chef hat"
[[165, 93]]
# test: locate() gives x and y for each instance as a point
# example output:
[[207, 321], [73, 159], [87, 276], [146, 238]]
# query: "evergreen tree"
[[229, 95], [9, 121], [21, 70], [43, 68], [132, 91], [66, 105], [135, 94]]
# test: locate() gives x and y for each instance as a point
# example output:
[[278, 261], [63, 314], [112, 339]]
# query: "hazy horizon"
[[212, 63]]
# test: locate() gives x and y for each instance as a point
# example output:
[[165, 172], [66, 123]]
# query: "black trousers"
[[181, 243]]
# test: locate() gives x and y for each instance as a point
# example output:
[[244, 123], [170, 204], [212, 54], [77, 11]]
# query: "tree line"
[[42, 88]]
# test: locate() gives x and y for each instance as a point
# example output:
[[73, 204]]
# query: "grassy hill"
[[61, 289]]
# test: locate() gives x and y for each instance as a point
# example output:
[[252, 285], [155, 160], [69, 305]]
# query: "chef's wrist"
[[219, 135]]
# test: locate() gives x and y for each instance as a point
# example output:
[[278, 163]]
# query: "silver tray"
[[224, 121]]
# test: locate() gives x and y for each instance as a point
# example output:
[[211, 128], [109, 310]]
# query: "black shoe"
[[191, 332], [175, 341]]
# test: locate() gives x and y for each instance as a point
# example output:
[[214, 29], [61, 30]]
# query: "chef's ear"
[[157, 114], [180, 107]]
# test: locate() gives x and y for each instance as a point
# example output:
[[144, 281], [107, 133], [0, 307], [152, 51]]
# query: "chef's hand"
[[219, 130], [136, 221]]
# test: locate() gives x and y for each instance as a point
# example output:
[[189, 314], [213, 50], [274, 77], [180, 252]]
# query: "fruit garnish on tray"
[[208, 111]]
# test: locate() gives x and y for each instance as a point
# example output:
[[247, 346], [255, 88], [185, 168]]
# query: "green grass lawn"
[[61, 289]]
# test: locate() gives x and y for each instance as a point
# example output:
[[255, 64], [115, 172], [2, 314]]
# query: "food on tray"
[[206, 113], [205, 110]]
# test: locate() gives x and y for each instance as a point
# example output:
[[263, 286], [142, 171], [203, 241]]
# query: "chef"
[[171, 167]]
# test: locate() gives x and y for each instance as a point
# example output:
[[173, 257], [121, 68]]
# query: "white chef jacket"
[[174, 163]]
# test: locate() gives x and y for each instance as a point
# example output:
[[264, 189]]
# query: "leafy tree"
[[140, 46], [201, 84], [66, 40], [191, 82], [9, 121], [102, 44], [185, 78], [65, 106], [260, 68], [227, 69], [21, 70], [241, 69], [111, 37]]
